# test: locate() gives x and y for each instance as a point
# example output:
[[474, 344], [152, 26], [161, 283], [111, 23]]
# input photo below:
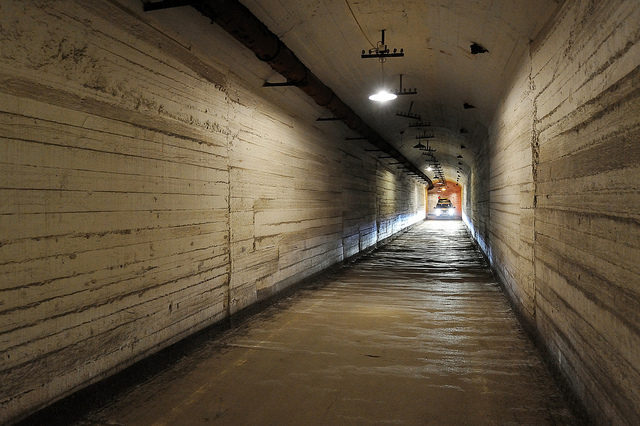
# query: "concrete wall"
[[475, 198], [563, 221], [147, 192]]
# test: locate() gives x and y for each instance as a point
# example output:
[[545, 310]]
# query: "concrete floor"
[[416, 333]]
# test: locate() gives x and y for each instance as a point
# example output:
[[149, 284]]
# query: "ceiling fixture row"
[[381, 52], [433, 163]]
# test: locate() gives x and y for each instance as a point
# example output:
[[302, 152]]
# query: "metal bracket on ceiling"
[[425, 135], [382, 51], [148, 5], [426, 150], [420, 124], [409, 114], [401, 91]]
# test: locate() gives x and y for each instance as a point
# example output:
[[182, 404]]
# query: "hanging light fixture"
[[382, 52], [383, 95]]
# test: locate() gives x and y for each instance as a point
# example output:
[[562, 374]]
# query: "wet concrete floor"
[[418, 333]]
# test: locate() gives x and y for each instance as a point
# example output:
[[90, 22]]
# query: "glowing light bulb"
[[383, 96], [429, 168]]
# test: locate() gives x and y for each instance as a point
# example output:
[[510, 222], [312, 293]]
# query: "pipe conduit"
[[238, 21]]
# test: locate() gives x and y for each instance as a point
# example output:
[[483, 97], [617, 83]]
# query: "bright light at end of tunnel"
[[383, 95], [429, 168]]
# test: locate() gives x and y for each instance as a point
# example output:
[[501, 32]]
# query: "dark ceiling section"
[[238, 21]]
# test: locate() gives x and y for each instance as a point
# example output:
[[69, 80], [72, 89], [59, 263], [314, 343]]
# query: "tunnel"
[[320, 212]]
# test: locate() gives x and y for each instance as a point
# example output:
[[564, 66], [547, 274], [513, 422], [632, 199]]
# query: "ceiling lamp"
[[429, 168], [381, 52], [383, 95]]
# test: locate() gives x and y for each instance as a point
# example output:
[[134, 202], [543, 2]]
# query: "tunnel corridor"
[[417, 332], [168, 167]]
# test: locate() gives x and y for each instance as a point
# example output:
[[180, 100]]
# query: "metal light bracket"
[[425, 135], [401, 91], [382, 51], [409, 114], [420, 124]]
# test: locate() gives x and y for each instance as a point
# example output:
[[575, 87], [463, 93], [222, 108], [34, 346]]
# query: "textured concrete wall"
[[511, 191], [475, 210], [563, 223], [147, 193]]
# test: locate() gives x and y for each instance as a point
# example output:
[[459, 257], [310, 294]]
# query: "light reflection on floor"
[[418, 332], [444, 219]]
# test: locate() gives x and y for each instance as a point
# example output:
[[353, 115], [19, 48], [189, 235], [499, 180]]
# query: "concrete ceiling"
[[329, 35]]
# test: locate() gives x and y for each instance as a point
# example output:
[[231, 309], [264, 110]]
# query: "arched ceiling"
[[328, 36]]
